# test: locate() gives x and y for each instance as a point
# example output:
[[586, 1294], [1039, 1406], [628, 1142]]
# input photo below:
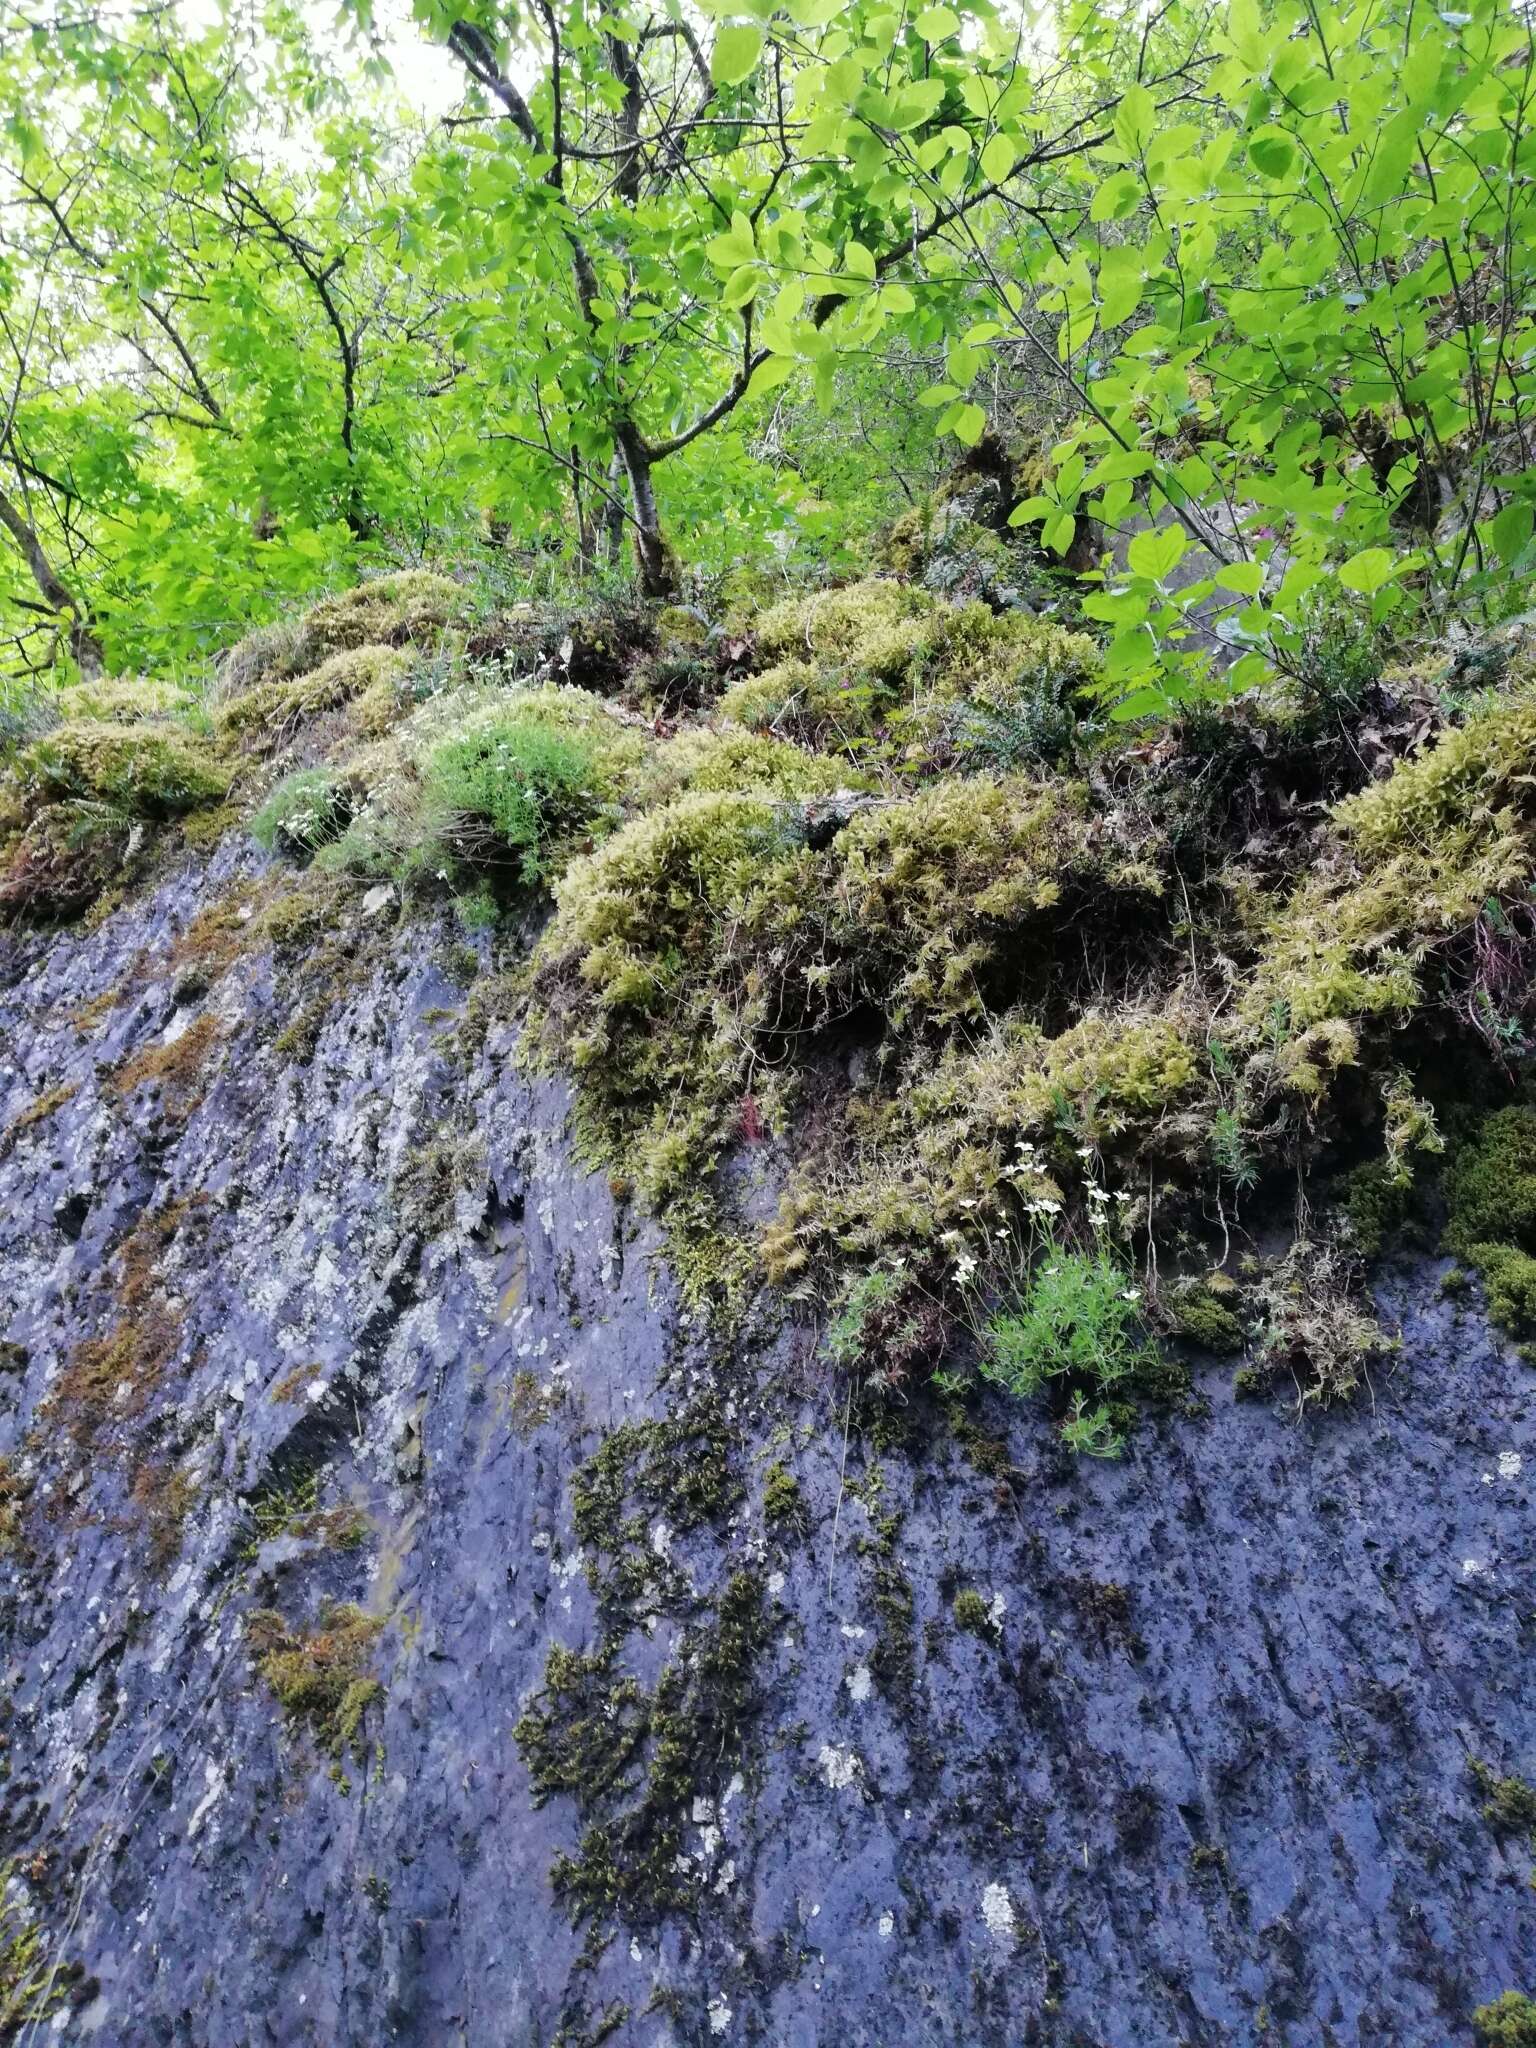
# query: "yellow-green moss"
[[413, 605], [151, 771], [841, 663], [124, 700], [734, 760], [1424, 852], [320, 1677], [277, 707], [1509, 2022], [1490, 1191]]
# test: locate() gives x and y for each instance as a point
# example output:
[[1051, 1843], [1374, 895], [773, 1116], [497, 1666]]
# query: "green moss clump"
[[1490, 1185], [1491, 1213], [1205, 1320], [781, 1495], [1425, 852], [274, 709], [125, 700], [1375, 1202], [844, 664], [636, 1761], [149, 771], [971, 1613], [1509, 1803], [413, 605], [1509, 2022], [320, 1677], [1509, 1281], [732, 760]]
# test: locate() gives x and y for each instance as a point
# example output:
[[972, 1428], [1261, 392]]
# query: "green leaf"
[[735, 54], [938, 24], [1118, 196], [1157, 551], [937, 394], [1368, 571], [769, 374], [858, 261], [1510, 531], [1135, 119], [742, 286], [970, 423], [1247, 578], [998, 159], [1272, 152]]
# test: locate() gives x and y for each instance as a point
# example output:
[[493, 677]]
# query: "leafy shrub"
[[1076, 1326], [510, 788], [501, 793], [306, 811]]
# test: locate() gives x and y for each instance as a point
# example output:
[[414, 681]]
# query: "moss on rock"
[[149, 771]]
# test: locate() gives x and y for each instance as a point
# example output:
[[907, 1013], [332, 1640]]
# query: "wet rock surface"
[[682, 1724]]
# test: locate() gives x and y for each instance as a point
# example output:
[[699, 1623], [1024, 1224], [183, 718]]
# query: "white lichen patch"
[[1510, 1464], [997, 1913], [840, 1767], [719, 2014], [215, 1783], [887, 1926], [859, 1684], [1473, 1568]]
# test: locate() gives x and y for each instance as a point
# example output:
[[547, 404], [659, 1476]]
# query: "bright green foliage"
[[1279, 264], [507, 789], [1509, 2022], [1076, 1322]]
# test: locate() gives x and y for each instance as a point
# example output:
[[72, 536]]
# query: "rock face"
[[417, 1628]]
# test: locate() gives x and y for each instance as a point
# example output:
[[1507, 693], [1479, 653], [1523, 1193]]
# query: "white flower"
[[1130, 1294], [1085, 1151]]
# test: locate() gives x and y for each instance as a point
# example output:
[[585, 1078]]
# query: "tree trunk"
[[56, 593], [658, 571], [613, 513]]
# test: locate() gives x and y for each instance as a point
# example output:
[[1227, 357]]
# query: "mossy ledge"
[[976, 979]]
